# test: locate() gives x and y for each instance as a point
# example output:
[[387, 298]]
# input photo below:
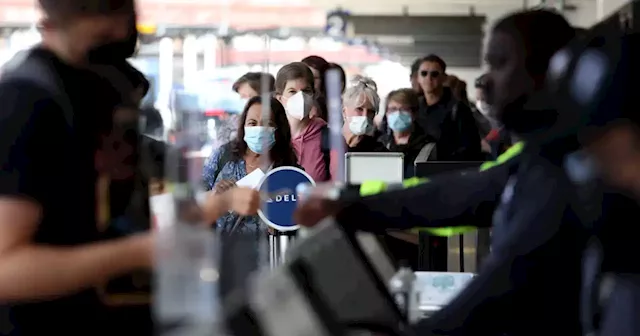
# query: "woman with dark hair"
[[343, 74], [240, 157], [234, 208], [319, 67]]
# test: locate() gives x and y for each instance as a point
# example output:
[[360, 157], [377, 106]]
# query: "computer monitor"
[[446, 254], [385, 167]]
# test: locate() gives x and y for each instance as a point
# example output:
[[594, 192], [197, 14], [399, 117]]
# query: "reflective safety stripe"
[[414, 181], [509, 154], [446, 232], [369, 188]]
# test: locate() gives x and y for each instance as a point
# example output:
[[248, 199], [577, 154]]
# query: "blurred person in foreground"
[[606, 121], [444, 117], [50, 257], [126, 208], [535, 232], [295, 90]]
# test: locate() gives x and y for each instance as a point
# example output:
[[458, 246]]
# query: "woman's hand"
[[224, 185], [244, 201]]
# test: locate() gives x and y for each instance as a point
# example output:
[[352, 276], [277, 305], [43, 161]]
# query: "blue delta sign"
[[280, 183]]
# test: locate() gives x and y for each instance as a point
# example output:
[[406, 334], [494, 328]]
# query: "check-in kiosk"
[[460, 253]]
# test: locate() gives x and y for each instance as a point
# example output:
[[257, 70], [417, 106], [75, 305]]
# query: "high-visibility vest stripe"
[[369, 188]]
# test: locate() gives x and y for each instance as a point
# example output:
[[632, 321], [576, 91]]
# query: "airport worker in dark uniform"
[[533, 231]]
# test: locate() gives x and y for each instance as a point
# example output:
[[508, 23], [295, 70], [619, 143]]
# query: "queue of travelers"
[[443, 117], [426, 123], [432, 123]]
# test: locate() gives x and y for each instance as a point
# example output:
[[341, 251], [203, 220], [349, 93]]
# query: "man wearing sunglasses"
[[445, 118]]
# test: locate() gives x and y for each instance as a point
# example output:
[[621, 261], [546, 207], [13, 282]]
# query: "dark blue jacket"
[[454, 127], [530, 283]]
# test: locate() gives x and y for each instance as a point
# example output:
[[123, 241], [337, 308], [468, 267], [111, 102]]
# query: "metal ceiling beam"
[[395, 25], [471, 49]]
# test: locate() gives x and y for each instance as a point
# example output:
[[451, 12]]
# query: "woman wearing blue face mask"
[[405, 135], [243, 155], [242, 232]]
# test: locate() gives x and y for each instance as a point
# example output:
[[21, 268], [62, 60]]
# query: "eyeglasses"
[[433, 74]]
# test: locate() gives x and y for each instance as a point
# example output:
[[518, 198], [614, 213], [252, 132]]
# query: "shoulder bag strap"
[[425, 153]]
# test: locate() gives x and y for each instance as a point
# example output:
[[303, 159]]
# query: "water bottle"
[[402, 290]]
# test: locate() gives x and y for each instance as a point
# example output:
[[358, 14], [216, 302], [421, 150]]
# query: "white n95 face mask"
[[359, 125], [299, 105]]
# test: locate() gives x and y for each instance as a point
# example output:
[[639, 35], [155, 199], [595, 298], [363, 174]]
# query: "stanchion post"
[[333, 81]]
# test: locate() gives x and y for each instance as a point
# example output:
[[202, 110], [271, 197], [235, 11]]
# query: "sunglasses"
[[433, 74]]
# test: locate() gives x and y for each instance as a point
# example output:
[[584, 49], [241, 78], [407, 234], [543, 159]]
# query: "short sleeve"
[[211, 167], [24, 134]]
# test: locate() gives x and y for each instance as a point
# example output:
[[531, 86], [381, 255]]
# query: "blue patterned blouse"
[[233, 170]]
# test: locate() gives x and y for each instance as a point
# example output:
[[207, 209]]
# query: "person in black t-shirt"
[[49, 258]]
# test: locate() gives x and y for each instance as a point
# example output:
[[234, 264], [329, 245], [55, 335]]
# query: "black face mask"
[[111, 52], [115, 51]]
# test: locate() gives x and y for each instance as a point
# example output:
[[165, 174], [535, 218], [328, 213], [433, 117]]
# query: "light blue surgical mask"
[[399, 121], [257, 137]]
